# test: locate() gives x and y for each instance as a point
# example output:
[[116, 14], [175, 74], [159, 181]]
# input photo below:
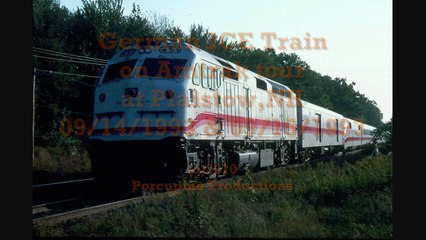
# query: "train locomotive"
[[176, 110]]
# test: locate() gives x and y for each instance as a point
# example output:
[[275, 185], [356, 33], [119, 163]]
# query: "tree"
[[383, 136], [59, 96]]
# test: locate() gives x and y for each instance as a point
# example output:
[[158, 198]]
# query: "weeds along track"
[[84, 205]]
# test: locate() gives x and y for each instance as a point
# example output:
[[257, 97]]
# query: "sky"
[[358, 33]]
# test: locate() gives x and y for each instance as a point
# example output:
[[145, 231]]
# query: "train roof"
[[225, 63], [228, 64], [319, 108]]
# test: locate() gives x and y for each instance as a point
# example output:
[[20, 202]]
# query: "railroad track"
[[61, 197], [50, 206], [77, 213], [61, 191], [85, 211], [55, 184], [114, 204]]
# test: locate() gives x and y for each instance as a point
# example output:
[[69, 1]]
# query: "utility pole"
[[33, 125]]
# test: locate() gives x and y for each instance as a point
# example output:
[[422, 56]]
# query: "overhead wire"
[[69, 60], [67, 57], [71, 74], [51, 52]]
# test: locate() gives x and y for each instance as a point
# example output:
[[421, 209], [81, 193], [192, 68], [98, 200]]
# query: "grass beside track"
[[336, 198]]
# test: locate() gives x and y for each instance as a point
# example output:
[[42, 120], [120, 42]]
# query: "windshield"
[[162, 68], [152, 67], [119, 70]]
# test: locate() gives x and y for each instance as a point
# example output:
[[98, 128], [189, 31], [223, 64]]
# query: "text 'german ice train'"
[[174, 110]]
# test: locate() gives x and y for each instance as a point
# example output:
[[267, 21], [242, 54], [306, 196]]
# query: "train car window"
[[196, 75], [163, 68], [350, 125], [337, 129], [219, 78], [260, 84], [204, 76], [212, 82], [319, 127], [119, 70]]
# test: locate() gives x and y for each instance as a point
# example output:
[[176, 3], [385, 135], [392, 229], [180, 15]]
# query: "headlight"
[[170, 94]]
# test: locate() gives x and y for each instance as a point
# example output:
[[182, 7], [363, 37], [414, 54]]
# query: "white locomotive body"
[[181, 110]]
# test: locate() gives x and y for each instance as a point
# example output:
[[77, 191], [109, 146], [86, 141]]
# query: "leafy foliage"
[[58, 96], [383, 136]]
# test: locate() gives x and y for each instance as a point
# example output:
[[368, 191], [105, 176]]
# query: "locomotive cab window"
[[163, 68], [119, 70]]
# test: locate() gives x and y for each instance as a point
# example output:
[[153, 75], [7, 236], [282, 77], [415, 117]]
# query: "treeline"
[[60, 94]]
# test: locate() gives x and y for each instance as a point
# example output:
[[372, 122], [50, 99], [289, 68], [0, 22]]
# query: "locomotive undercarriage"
[[209, 158], [116, 164]]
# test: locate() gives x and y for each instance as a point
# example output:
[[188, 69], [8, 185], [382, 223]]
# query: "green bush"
[[328, 199], [55, 163]]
